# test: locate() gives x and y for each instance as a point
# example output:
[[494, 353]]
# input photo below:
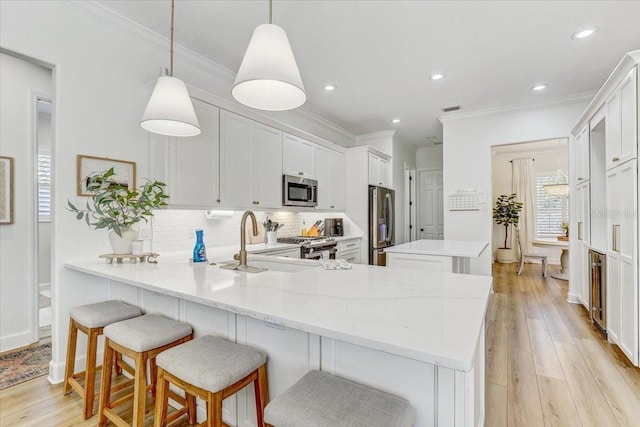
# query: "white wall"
[[101, 77], [17, 270], [404, 158], [467, 161], [429, 157], [501, 183]]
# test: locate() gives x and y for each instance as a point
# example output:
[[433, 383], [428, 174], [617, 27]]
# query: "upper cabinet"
[[582, 154], [331, 174], [193, 178], [622, 122], [379, 171], [250, 163], [297, 157]]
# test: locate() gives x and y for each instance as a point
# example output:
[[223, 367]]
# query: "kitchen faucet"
[[242, 255]]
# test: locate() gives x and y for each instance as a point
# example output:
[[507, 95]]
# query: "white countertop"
[[457, 248], [428, 316]]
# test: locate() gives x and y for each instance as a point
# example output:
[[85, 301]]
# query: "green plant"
[[507, 212], [113, 206]]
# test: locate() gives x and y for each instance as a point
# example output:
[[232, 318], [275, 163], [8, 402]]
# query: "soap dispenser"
[[199, 250]]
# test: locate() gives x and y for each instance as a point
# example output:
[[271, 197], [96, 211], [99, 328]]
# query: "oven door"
[[316, 253], [298, 191]]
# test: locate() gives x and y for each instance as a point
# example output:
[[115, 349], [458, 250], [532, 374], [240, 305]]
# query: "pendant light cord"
[[171, 40], [270, 11]]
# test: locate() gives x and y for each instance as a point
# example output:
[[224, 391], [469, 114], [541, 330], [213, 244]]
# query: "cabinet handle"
[[255, 202], [300, 173], [352, 244], [217, 200], [580, 230], [332, 207], [614, 243], [580, 179], [379, 183], [615, 159]]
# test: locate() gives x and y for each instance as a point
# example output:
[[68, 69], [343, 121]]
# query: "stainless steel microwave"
[[297, 191]]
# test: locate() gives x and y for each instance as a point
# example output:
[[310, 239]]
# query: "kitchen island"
[[436, 255], [416, 334]]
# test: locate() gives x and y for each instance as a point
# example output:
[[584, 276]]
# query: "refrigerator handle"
[[389, 215]]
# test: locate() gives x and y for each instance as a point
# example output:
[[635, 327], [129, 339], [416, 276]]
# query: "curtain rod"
[[523, 158]]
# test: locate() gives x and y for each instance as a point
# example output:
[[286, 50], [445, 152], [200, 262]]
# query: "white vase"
[[122, 245], [504, 255]]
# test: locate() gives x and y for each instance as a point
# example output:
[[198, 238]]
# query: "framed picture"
[[125, 171], [6, 190]]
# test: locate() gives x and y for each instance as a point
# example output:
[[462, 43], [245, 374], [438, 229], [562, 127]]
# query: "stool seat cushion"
[[211, 363], [323, 400], [146, 332], [103, 313]]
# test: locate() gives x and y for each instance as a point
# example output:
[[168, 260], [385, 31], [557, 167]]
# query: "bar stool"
[[213, 369], [322, 400], [91, 319], [142, 339]]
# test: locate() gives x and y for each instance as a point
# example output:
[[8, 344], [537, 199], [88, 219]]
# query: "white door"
[[430, 205]]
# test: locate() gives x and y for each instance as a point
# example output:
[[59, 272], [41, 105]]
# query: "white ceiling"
[[380, 54]]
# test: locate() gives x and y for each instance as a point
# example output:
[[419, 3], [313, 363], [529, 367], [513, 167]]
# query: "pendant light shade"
[[170, 111], [268, 78], [560, 187]]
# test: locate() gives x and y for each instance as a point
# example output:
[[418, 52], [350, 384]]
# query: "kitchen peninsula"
[[436, 255], [416, 334]]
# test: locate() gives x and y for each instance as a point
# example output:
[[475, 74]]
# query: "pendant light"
[[170, 111], [268, 78], [560, 187]]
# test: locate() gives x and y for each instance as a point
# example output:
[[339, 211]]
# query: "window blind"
[[551, 210], [44, 185]]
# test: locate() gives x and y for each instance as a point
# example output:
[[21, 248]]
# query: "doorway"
[[430, 214]]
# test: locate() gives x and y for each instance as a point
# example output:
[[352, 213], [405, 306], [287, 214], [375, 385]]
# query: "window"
[[44, 185], [551, 210]]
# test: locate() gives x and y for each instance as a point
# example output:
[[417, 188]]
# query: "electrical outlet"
[[145, 233]]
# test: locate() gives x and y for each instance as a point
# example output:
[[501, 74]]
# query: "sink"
[[259, 265]]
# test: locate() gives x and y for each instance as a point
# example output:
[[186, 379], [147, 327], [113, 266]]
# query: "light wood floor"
[[546, 366]]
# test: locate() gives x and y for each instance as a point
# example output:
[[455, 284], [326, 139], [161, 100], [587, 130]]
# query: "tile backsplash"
[[174, 230]]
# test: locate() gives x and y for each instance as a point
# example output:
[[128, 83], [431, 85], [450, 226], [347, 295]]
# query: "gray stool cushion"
[[323, 400], [211, 363], [103, 313], [146, 332]]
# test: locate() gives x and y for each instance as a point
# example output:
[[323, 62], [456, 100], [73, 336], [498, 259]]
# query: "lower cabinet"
[[288, 253], [423, 262], [349, 250]]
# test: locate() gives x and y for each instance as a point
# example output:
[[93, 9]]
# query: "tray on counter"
[[149, 257]]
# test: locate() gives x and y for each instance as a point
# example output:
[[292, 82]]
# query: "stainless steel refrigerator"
[[381, 223]]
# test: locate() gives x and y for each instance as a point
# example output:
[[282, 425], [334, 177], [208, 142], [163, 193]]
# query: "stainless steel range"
[[313, 247]]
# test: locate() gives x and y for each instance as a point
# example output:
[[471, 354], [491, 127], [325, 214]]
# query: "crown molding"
[[303, 112], [556, 102], [374, 135]]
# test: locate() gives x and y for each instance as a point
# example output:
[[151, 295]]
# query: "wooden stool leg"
[[162, 400], [90, 372], [192, 414], [153, 372], [214, 410], [118, 363], [71, 356], [261, 389], [139, 390], [105, 383]]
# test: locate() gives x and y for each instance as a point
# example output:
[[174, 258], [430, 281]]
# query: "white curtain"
[[524, 187]]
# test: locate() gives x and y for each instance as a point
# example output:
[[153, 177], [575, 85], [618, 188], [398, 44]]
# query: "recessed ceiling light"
[[584, 33], [539, 87], [437, 76], [330, 88], [395, 120]]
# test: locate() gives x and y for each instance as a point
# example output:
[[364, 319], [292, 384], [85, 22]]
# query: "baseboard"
[[11, 342], [56, 369], [573, 298]]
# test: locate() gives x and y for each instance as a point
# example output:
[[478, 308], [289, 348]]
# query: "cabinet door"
[[338, 181], [376, 170], [323, 176], [582, 154], [613, 144], [236, 175], [384, 173], [307, 165], [613, 256], [193, 171], [297, 157], [628, 118], [267, 165]]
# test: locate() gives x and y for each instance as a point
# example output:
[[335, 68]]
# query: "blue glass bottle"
[[199, 250]]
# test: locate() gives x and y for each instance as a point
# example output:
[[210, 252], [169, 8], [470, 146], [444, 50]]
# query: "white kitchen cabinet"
[[622, 259], [193, 178], [349, 250], [583, 276], [250, 163], [582, 154], [297, 156], [379, 171], [622, 122], [330, 174], [288, 253], [422, 262]]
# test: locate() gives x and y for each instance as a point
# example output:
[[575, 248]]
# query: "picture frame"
[[125, 171], [6, 190]]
